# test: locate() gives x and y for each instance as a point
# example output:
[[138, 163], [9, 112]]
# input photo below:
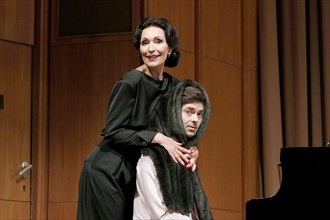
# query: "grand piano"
[[304, 191]]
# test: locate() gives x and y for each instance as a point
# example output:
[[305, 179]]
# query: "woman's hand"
[[176, 151], [194, 153]]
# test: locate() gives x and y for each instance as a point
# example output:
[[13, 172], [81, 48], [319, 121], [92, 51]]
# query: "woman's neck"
[[156, 73]]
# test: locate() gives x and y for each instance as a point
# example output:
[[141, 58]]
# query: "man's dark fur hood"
[[167, 118], [180, 187]]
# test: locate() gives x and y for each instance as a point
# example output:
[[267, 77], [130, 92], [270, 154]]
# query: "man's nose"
[[194, 117]]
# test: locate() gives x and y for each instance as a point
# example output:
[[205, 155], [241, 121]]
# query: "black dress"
[[107, 180]]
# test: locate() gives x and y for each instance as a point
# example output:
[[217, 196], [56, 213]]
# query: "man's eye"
[[188, 112]]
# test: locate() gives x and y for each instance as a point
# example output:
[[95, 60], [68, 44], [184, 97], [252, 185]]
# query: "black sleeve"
[[118, 132]]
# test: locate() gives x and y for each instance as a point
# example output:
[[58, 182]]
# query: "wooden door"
[[15, 129]]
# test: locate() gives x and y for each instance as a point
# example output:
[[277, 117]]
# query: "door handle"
[[25, 167]]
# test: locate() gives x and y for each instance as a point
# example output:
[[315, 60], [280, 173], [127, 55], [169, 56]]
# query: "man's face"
[[192, 116]]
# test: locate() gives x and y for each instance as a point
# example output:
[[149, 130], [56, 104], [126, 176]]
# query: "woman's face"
[[192, 116], [153, 47]]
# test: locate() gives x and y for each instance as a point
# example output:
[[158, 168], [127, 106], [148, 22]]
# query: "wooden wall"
[[219, 49]]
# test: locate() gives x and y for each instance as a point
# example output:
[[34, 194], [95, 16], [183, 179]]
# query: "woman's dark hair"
[[171, 35]]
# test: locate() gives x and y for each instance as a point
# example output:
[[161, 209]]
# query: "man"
[[165, 189]]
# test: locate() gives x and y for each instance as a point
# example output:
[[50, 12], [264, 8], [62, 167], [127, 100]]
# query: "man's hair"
[[192, 94]]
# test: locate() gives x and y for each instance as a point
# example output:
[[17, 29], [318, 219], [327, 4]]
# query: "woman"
[[166, 190], [107, 181]]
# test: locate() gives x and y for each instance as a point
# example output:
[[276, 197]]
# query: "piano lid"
[[304, 192]]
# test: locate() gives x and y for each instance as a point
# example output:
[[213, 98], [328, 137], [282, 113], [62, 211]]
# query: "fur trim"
[[180, 187], [167, 117]]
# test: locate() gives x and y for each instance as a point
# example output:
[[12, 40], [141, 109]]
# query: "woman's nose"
[[151, 47]]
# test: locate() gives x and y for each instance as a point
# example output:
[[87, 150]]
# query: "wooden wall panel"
[[62, 211], [220, 27], [14, 210], [81, 79], [185, 68], [220, 147], [221, 74], [250, 139], [250, 103], [17, 21], [251, 39]]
